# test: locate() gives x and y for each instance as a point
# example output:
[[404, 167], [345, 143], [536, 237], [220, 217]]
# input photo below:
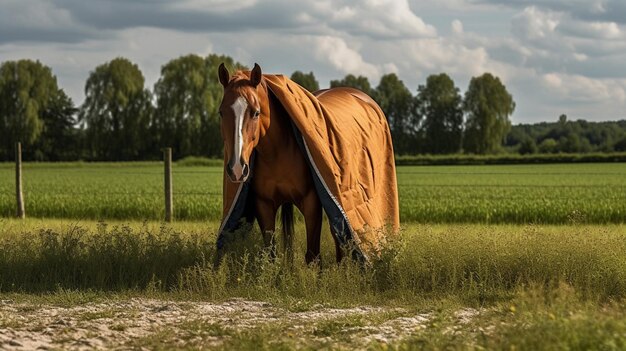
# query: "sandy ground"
[[126, 324]]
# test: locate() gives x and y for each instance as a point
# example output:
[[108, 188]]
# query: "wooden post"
[[169, 205], [20, 213]]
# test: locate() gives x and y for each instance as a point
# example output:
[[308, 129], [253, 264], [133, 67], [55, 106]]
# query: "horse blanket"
[[345, 137]]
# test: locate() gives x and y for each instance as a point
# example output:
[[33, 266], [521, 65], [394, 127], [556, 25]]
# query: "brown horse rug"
[[345, 137]]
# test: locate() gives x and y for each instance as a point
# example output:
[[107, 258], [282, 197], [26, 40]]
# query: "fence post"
[[20, 213], [169, 205]]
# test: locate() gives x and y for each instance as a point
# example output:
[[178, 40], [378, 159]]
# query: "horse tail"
[[287, 221]]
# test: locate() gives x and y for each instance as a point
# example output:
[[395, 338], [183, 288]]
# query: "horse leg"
[[287, 222], [338, 248], [266, 216], [311, 208]]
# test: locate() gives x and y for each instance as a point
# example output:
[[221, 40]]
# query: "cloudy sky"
[[554, 56]]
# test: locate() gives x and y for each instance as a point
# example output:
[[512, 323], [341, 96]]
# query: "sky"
[[554, 56]]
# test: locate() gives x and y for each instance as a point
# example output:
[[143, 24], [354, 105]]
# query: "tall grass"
[[114, 258], [481, 264]]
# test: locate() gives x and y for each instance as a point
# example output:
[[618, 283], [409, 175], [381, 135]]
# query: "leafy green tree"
[[585, 145], [440, 104], [188, 95], [360, 82], [306, 80], [397, 102], [591, 136], [27, 90], [116, 112], [573, 143], [59, 140], [621, 145], [528, 146], [488, 106], [548, 146]]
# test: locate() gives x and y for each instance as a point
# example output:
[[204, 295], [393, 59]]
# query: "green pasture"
[[563, 193], [529, 287]]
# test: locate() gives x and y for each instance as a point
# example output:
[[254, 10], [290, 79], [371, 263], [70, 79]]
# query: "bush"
[[458, 159], [195, 161]]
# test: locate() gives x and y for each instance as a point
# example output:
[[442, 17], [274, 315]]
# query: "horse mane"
[[239, 78]]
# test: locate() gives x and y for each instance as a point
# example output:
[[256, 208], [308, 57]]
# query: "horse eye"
[[257, 113]]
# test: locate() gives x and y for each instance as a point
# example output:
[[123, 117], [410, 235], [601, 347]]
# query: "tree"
[[397, 102], [572, 143], [306, 80], [590, 136], [59, 138], [116, 112], [488, 105], [440, 104], [188, 95], [528, 146], [548, 146], [621, 145], [360, 82], [27, 90]]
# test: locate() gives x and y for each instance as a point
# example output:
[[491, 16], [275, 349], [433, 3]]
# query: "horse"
[[253, 120], [331, 151]]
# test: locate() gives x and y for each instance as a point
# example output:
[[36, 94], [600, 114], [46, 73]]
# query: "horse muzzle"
[[238, 171]]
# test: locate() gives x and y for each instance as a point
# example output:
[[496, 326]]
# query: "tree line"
[[121, 119], [565, 136]]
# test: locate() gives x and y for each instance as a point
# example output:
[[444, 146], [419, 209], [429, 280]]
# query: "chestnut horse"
[[252, 119]]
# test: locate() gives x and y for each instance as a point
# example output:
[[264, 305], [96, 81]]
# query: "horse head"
[[245, 116]]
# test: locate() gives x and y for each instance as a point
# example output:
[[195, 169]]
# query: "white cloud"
[[398, 13], [442, 55], [580, 89], [345, 13], [557, 41], [376, 18], [390, 68], [211, 5], [533, 24], [553, 55], [594, 30], [39, 14], [39, 20], [343, 58], [587, 10], [553, 80], [457, 27], [72, 63]]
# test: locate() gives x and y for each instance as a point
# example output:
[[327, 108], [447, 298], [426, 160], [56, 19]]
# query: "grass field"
[[480, 262], [564, 193], [440, 287], [516, 257]]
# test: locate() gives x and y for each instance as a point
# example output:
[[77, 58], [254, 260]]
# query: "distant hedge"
[[508, 159], [193, 161], [460, 159]]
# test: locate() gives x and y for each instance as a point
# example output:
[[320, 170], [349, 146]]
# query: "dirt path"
[[135, 322]]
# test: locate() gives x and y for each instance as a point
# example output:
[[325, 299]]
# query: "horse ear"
[[256, 75], [223, 74]]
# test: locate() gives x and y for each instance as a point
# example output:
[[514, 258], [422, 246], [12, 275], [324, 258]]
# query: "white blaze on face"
[[239, 107]]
